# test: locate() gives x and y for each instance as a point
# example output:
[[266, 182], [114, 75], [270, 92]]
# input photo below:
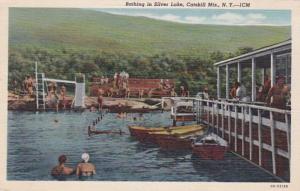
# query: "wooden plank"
[[227, 82], [288, 135], [259, 138], [208, 113], [217, 118], [265, 146], [213, 115], [229, 124], [235, 128], [222, 106], [243, 131], [273, 143]]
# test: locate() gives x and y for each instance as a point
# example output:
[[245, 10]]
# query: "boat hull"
[[209, 152], [169, 142], [144, 134]]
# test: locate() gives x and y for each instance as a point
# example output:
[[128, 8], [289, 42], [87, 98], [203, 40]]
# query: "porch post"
[[218, 82], [253, 95], [227, 81], [273, 70]]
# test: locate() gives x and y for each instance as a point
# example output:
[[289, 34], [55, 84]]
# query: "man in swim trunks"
[[277, 96], [85, 168], [61, 169]]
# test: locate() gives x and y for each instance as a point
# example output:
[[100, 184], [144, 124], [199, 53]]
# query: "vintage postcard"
[[154, 95]]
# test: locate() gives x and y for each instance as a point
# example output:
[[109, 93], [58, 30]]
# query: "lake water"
[[35, 140]]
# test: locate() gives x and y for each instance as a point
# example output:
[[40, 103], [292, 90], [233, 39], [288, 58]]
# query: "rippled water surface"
[[35, 140]]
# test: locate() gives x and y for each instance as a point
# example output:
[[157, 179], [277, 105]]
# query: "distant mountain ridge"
[[94, 30]]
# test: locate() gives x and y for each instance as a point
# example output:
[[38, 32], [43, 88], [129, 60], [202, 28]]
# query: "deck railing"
[[265, 128]]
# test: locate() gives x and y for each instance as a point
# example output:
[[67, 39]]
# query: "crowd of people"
[[28, 85], [54, 99], [276, 96]]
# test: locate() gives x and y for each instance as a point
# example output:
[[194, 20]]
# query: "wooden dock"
[[257, 133]]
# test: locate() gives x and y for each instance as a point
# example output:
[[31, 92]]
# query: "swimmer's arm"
[[78, 170], [94, 169], [68, 170]]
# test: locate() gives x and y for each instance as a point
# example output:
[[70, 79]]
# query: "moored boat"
[[143, 133], [210, 147], [177, 139]]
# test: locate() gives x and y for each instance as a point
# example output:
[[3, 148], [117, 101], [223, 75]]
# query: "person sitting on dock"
[[61, 169], [277, 96], [85, 168]]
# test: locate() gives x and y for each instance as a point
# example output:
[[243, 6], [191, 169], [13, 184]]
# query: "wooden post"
[[243, 130], [273, 70], [273, 142], [259, 139], [217, 119], [213, 116], [36, 87], [222, 106], [239, 76], [229, 124], [200, 110], [235, 128], [250, 133], [253, 94], [208, 122], [288, 131], [218, 83], [227, 81]]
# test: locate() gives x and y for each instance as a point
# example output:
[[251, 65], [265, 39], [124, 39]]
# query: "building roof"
[[259, 52]]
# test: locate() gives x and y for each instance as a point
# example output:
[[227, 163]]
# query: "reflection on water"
[[35, 140]]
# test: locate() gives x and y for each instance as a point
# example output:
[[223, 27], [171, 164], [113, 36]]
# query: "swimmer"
[[61, 169], [55, 120], [85, 168], [89, 130]]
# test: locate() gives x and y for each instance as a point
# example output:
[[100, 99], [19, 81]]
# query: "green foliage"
[[69, 41]]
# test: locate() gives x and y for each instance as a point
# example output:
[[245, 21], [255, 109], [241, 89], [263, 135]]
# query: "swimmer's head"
[[62, 159], [85, 157]]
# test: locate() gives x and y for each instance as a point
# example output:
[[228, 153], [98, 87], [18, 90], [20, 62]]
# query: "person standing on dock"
[[100, 99], [63, 96], [278, 94]]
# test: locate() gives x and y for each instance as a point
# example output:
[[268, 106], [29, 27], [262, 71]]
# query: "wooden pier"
[[257, 133]]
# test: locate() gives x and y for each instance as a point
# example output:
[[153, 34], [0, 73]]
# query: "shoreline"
[[142, 105]]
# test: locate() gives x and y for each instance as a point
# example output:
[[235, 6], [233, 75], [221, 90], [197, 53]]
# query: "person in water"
[[61, 169], [85, 168]]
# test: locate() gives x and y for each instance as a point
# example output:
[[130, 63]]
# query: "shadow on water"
[[230, 169]]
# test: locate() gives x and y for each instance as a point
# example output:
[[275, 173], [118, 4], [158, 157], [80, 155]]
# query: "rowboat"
[[143, 133], [211, 147], [178, 139]]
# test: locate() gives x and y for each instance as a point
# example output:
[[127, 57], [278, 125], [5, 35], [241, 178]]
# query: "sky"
[[211, 16]]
